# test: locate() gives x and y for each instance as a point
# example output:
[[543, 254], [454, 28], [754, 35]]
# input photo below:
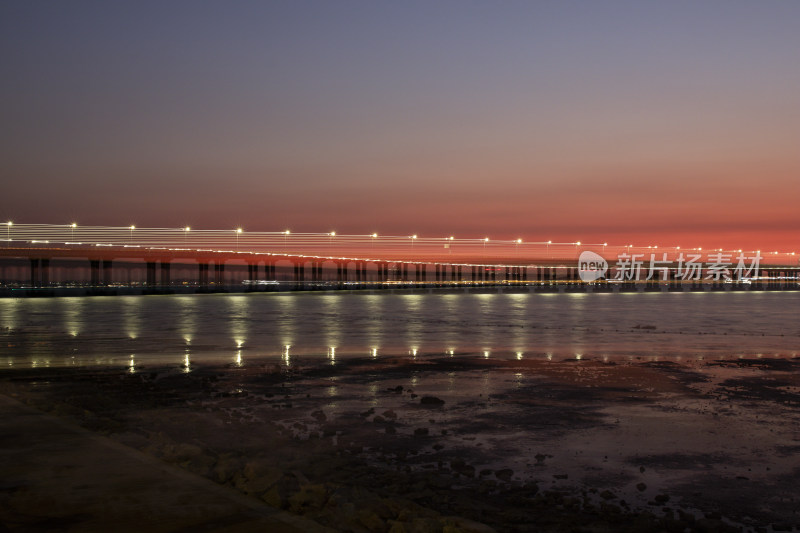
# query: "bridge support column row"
[[341, 272], [383, 271]]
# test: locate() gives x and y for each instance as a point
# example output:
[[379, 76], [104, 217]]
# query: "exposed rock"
[[431, 401], [504, 474]]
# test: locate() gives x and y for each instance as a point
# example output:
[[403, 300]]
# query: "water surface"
[[112, 330]]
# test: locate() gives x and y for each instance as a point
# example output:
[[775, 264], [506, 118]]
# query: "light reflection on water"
[[235, 328]]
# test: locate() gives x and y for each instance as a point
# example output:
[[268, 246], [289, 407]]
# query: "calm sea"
[[242, 327]]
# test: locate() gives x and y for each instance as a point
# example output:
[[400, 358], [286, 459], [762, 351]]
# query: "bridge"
[[72, 259]]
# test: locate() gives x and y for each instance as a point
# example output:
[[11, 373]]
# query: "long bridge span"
[[71, 259]]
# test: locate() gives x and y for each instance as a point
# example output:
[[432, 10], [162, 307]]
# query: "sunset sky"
[[671, 123]]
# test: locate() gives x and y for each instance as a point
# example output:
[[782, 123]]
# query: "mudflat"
[[425, 443]]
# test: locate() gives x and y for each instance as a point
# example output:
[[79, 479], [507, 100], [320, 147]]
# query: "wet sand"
[[463, 443]]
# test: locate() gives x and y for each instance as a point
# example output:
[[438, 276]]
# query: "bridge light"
[[413, 236], [287, 232], [187, 228], [451, 237], [132, 227], [332, 234], [486, 239], [238, 230], [578, 243], [374, 235], [73, 225], [519, 241]]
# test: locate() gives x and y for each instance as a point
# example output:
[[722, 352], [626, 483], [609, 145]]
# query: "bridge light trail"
[[408, 249]]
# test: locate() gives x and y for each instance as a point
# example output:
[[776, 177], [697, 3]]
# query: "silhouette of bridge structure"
[[71, 259]]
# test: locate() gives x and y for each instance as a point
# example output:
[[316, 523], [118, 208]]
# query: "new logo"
[[591, 266]]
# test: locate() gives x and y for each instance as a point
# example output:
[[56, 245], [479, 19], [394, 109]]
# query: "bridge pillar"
[[151, 273], [45, 274], [35, 273], [94, 272], [219, 272], [252, 271], [452, 272], [107, 272], [405, 271], [165, 273], [524, 273], [202, 274]]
